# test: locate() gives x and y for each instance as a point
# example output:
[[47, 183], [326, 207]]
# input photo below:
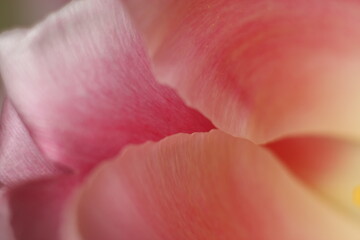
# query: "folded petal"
[[20, 158], [330, 166], [200, 186], [259, 69], [37, 207], [81, 82]]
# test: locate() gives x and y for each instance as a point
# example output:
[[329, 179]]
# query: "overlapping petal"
[[82, 89], [330, 166], [260, 69], [20, 158], [200, 186], [81, 82], [36, 208], [6, 230]]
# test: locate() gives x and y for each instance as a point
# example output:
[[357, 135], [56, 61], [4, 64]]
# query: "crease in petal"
[[81, 82], [200, 186], [330, 166], [259, 69], [20, 158]]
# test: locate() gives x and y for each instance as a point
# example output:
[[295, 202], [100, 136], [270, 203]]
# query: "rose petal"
[[259, 69], [331, 166], [5, 227], [20, 159], [203, 186], [81, 82], [37, 207]]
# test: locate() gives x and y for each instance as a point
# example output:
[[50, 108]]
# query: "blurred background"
[[20, 13]]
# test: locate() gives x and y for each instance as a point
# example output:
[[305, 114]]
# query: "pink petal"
[[81, 82], [329, 166], [20, 159], [259, 69], [37, 207], [201, 186], [6, 230]]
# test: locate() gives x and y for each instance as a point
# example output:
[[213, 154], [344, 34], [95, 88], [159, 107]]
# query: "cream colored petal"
[[206, 186]]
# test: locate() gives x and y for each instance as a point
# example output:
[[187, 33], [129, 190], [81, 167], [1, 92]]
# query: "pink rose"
[[107, 134]]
